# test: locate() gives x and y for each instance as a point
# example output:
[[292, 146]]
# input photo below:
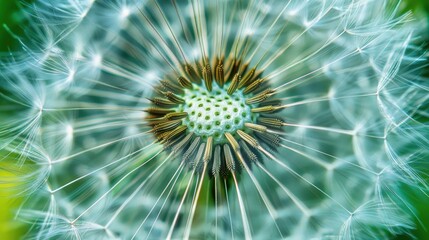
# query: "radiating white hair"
[[348, 73]]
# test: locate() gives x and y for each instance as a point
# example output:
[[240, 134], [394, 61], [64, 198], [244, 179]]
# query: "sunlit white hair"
[[349, 73]]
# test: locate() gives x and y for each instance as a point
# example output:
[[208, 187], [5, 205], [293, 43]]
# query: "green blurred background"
[[10, 229]]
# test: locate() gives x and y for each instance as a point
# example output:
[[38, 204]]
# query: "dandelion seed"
[[215, 119]]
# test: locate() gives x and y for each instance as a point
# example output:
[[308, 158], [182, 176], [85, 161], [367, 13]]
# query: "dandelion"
[[153, 119]]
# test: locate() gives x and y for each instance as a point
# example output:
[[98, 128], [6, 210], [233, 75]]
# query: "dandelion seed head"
[[208, 119], [216, 119]]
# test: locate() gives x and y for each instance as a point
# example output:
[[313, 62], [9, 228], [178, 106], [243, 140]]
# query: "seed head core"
[[218, 119], [213, 113]]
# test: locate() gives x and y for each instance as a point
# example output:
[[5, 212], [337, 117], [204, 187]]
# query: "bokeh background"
[[12, 23]]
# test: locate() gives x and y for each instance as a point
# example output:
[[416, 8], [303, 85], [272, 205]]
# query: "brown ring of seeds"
[[166, 116]]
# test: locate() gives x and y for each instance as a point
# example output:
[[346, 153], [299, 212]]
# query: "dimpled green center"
[[214, 113]]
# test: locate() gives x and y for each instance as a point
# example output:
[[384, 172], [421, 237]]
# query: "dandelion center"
[[218, 117], [213, 113]]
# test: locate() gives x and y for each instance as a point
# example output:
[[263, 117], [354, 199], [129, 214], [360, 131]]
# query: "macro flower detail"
[[209, 113], [154, 119]]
